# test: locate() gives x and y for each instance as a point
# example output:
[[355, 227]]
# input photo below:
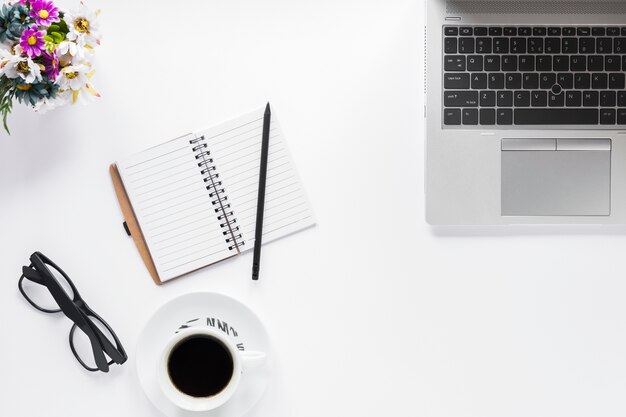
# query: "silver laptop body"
[[512, 138]]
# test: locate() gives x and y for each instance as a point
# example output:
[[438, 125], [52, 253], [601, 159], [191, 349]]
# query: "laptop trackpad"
[[556, 177]]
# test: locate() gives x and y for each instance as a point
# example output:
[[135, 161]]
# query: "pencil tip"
[[267, 107]]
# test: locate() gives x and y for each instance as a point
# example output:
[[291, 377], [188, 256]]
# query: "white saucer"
[[248, 330]]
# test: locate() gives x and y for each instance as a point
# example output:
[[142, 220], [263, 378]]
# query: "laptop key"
[[460, 98], [591, 99], [565, 80], [573, 99], [604, 46], [612, 63], [560, 63], [621, 116], [598, 31], [535, 45], [492, 63], [607, 116], [505, 99], [466, 45], [509, 63], [552, 46], [466, 31], [452, 116], [501, 45], [513, 81], [539, 31], [619, 46], [595, 63], [487, 117], [470, 116], [474, 63], [583, 31], [479, 80], [582, 81], [599, 81], [524, 31], [510, 31], [617, 81], [531, 81], [495, 31], [547, 80], [454, 63], [587, 46], [483, 45], [607, 99], [456, 81], [504, 117], [451, 31], [556, 116], [521, 99], [539, 99], [543, 63], [487, 98], [526, 63], [554, 31], [556, 100], [612, 31], [578, 63], [569, 46], [480, 31], [496, 81], [569, 31], [621, 98], [518, 46], [450, 45]]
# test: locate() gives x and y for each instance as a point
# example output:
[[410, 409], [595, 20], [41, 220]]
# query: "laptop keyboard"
[[541, 75]]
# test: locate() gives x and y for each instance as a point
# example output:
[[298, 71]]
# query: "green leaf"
[[63, 26], [58, 38]]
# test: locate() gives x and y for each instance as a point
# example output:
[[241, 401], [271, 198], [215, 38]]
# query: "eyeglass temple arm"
[[116, 353], [32, 275], [72, 313]]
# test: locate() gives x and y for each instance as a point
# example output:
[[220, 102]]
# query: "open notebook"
[[191, 202]]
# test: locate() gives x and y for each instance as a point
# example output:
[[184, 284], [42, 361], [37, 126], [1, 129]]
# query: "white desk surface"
[[373, 312]]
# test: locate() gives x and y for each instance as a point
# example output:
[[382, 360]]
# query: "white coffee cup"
[[241, 361]]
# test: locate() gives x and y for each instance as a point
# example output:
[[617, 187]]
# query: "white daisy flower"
[[14, 66], [73, 52], [83, 26], [74, 79], [47, 104]]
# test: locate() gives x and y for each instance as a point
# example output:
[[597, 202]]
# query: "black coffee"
[[200, 366]]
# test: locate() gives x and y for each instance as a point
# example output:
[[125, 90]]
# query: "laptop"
[[525, 112]]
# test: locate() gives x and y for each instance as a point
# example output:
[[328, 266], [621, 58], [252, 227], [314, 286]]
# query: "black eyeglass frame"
[[74, 309]]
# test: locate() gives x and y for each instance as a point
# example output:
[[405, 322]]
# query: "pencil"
[[260, 205]]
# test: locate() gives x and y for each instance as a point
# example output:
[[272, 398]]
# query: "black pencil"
[[260, 204]]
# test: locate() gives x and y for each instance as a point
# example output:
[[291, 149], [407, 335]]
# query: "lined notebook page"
[[235, 147], [173, 208]]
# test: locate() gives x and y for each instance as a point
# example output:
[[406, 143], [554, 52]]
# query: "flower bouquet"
[[45, 55]]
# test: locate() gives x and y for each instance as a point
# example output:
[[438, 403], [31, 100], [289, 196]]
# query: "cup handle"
[[252, 358]]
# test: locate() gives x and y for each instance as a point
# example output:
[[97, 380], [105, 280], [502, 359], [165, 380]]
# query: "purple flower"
[[51, 62], [32, 42], [44, 12]]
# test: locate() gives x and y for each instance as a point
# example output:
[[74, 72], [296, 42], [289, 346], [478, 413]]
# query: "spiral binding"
[[217, 193]]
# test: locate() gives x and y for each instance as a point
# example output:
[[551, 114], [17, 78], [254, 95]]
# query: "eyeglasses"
[[47, 288]]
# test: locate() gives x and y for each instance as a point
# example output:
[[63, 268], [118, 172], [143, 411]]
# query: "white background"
[[372, 312]]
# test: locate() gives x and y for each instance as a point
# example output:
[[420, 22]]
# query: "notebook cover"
[[133, 225]]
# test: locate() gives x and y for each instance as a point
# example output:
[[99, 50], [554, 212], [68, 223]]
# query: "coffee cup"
[[200, 368]]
